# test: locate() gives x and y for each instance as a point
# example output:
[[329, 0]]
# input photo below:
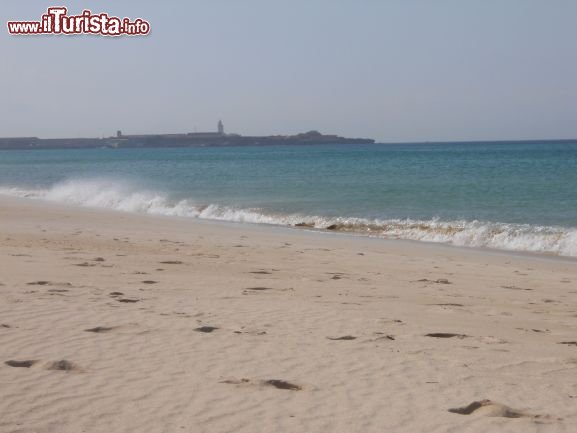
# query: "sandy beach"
[[117, 322]]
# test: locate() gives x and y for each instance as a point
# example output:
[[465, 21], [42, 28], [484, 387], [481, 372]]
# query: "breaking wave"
[[122, 197]]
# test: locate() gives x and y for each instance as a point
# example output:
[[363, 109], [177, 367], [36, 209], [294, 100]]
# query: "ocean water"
[[512, 196]]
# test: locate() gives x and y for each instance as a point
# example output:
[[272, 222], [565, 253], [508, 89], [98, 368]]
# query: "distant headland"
[[191, 139]]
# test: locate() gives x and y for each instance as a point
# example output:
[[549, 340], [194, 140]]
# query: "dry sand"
[[113, 322]]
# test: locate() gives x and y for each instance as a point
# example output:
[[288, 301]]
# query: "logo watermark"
[[56, 21]]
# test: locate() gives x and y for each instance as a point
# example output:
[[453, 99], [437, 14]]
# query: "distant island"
[[191, 139]]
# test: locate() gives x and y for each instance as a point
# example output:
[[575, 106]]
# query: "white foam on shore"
[[122, 197]]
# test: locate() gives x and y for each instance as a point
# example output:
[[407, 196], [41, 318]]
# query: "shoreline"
[[114, 321], [292, 229]]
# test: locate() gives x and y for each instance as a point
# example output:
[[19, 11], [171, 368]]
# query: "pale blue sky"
[[399, 70]]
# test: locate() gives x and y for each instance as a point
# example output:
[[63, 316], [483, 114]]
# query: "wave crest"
[[118, 196]]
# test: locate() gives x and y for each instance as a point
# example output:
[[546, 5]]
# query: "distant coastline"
[[191, 139], [227, 140]]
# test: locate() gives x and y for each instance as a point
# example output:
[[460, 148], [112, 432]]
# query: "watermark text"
[[56, 21]]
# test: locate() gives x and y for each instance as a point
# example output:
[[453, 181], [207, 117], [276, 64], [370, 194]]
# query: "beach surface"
[[118, 322]]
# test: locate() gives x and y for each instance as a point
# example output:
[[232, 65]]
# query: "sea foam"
[[101, 193]]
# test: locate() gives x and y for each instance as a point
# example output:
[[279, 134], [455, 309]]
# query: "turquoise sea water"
[[516, 196]]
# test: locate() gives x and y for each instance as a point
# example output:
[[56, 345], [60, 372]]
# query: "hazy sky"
[[398, 70]]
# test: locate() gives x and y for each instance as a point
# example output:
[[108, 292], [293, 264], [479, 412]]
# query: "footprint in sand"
[[545, 331], [206, 329], [250, 290], [448, 305], [515, 288], [282, 384], [99, 329], [63, 365], [47, 283], [251, 332], [276, 383], [383, 336], [445, 335], [493, 409], [23, 364], [437, 281]]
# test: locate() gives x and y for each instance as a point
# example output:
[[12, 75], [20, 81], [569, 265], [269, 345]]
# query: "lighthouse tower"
[[220, 127]]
